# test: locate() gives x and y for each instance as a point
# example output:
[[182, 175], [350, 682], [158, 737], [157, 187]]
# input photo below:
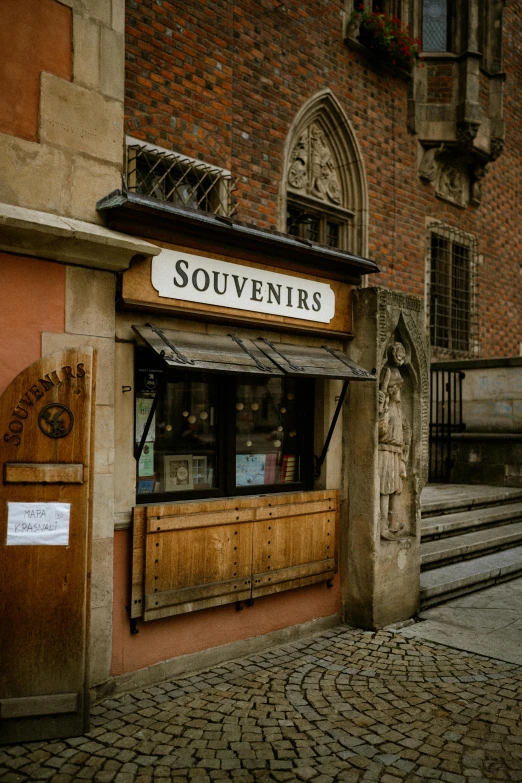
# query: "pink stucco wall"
[[33, 301], [163, 639]]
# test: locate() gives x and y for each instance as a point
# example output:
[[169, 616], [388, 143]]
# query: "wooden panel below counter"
[[183, 560]]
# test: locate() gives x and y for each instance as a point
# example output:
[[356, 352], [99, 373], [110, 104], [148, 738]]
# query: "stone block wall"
[[492, 396], [489, 451], [61, 133]]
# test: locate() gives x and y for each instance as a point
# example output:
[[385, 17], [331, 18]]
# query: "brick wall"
[[440, 83], [222, 80]]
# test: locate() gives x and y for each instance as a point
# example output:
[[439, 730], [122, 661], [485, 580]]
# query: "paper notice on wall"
[[38, 524]]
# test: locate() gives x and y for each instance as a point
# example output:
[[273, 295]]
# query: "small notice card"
[[38, 524]]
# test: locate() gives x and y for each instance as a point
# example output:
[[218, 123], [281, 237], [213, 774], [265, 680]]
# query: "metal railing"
[[445, 419]]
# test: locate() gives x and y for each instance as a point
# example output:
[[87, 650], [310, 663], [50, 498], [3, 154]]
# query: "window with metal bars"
[[452, 257], [168, 176]]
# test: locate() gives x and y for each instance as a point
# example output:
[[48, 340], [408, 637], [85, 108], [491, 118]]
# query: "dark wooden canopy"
[[165, 222]]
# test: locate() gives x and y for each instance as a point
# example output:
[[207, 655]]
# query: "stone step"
[[460, 521], [440, 499], [443, 551], [442, 584]]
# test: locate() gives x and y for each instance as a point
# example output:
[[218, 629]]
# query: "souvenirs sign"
[[192, 278]]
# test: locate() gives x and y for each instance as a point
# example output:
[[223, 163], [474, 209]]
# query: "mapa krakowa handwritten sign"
[[194, 278], [38, 524]]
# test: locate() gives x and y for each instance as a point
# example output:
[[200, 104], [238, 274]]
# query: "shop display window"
[[211, 435]]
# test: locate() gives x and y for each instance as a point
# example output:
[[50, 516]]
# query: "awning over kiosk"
[[234, 353]]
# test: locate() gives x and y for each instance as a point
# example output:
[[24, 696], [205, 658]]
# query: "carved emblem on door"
[[56, 420]]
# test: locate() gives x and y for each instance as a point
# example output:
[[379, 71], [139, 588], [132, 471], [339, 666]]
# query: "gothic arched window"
[[325, 190]]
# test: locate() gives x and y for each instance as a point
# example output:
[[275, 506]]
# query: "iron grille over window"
[[452, 259], [168, 176]]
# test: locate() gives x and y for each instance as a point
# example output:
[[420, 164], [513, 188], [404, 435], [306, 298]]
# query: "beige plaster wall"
[[79, 153]]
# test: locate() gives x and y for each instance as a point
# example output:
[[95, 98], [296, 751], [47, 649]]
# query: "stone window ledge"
[[31, 233]]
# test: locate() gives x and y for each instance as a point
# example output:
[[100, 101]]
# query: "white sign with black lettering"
[[194, 278], [38, 524]]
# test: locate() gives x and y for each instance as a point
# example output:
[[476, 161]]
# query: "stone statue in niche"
[[394, 443]]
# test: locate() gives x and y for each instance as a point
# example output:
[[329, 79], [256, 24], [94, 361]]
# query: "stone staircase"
[[471, 538]]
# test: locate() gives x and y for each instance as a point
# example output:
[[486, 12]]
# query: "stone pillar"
[[385, 460]]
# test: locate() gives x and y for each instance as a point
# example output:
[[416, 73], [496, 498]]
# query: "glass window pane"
[[332, 234], [311, 226], [267, 433], [460, 298], [180, 451], [435, 25]]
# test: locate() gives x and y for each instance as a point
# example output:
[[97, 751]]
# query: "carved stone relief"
[[479, 173], [467, 132], [312, 167], [452, 184], [496, 146], [456, 172]]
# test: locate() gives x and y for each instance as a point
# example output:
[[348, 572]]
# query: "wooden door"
[[46, 421]]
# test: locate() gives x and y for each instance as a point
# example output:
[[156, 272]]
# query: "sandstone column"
[[385, 460]]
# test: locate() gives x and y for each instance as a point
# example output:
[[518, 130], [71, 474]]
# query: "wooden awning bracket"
[[178, 356], [243, 347], [271, 345], [318, 461]]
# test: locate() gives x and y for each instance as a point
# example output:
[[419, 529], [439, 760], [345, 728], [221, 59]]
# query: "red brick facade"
[[223, 81]]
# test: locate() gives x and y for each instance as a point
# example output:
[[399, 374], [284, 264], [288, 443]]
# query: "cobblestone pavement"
[[343, 706]]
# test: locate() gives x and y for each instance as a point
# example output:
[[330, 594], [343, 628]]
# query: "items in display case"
[[143, 406], [178, 472], [250, 469], [288, 469], [146, 485], [146, 463], [271, 469]]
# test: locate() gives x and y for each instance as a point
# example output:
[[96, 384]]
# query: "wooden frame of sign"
[[138, 292]]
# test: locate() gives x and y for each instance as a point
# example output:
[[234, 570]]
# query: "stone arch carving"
[[323, 163]]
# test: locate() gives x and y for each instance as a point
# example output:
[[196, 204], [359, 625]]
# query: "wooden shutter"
[[294, 542], [198, 554]]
